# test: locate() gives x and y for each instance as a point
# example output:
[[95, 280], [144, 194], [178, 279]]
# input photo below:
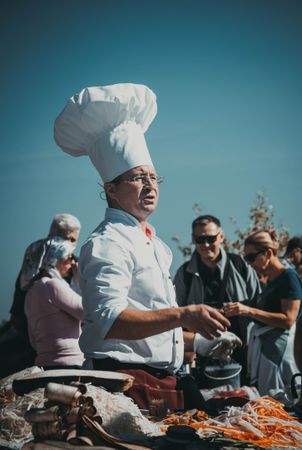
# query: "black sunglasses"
[[206, 239], [251, 257]]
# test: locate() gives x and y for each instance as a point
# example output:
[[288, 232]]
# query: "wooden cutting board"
[[113, 381], [57, 445]]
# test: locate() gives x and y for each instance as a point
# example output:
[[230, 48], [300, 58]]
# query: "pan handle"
[[293, 385]]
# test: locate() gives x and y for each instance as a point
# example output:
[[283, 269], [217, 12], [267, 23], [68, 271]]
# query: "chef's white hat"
[[108, 124]]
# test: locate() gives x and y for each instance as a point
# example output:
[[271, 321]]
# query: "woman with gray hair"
[[270, 354], [54, 311]]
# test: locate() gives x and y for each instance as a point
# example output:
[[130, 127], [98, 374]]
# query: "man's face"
[[296, 256], [208, 249], [72, 236], [133, 194]]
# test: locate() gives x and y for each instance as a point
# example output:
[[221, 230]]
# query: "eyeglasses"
[[200, 240], [145, 179], [251, 257]]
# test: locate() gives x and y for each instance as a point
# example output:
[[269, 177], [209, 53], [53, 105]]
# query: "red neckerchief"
[[148, 232]]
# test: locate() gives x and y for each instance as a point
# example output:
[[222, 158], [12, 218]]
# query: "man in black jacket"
[[214, 277]]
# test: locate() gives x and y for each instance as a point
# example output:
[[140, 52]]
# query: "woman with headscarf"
[[270, 355], [54, 311]]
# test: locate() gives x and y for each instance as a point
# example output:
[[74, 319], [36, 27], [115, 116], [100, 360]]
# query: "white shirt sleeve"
[[106, 275]]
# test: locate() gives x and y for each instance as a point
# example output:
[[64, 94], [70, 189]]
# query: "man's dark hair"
[[294, 242], [204, 220]]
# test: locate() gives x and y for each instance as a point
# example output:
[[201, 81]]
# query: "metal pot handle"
[[293, 385]]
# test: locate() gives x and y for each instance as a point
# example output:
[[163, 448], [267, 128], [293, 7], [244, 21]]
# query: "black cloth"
[[192, 396], [16, 353], [62, 367], [211, 282], [113, 365]]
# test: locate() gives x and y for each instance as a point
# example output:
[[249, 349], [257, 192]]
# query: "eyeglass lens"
[[251, 257], [206, 239], [148, 179]]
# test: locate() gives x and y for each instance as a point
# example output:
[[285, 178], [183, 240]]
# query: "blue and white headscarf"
[[43, 253], [56, 249]]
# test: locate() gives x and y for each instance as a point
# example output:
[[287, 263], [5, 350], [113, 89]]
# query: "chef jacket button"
[[177, 342]]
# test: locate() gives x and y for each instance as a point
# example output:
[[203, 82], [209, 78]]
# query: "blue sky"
[[228, 79]]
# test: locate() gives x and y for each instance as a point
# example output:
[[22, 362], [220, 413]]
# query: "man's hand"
[[204, 319], [236, 309], [218, 348], [74, 266]]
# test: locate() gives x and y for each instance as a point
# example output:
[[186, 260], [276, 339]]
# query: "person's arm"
[[298, 345], [106, 285], [253, 286], [283, 319], [220, 347], [74, 268], [189, 341], [133, 324], [65, 298], [189, 354]]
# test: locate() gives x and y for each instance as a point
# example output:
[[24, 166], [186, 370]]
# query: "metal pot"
[[218, 374]]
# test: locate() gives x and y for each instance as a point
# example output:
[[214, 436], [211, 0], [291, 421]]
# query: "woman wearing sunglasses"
[[270, 354]]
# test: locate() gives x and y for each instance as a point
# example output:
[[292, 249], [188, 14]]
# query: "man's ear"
[[269, 252], [110, 189]]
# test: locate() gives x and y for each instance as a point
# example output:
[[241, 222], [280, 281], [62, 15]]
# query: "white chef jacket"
[[119, 268]]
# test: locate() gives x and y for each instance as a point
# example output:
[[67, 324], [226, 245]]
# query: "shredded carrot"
[[262, 422]]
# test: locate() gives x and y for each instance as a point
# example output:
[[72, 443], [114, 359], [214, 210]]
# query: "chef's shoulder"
[[109, 240]]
